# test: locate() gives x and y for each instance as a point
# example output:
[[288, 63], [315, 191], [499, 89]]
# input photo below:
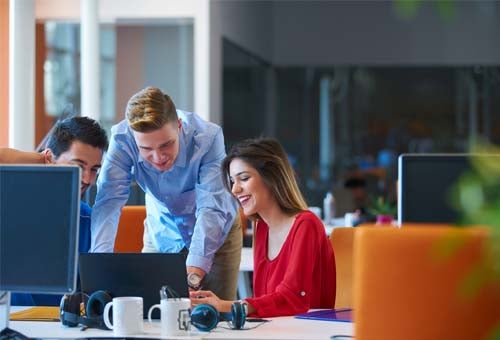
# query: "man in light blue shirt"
[[175, 158]]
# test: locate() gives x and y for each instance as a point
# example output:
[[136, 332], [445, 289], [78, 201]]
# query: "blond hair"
[[150, 109]]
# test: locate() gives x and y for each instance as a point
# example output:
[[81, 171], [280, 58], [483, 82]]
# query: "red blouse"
[[301, 277]]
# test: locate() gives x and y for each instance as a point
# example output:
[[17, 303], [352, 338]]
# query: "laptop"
[[134, 274]]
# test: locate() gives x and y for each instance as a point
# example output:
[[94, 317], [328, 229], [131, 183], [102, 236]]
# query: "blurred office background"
[[346, 86]]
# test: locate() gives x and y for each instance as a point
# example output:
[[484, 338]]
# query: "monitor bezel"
[[70, 283]]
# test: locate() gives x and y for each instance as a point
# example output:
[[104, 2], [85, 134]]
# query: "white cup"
[[350, 219], [127, 315], [175, 318]]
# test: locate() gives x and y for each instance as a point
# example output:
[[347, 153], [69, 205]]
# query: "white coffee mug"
[[175, 318], [349, 219], [127, 315]]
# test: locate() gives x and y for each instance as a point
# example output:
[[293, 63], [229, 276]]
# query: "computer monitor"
[[39, 221], [425, 186]]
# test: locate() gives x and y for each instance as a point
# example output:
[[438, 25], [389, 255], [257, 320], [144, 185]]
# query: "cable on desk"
[[341, 337], [260, 323]]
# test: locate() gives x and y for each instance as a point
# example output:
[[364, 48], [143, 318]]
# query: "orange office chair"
[[129, 237], [425, 283], [342, 239]]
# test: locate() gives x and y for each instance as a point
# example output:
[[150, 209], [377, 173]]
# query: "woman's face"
[[249, 188]]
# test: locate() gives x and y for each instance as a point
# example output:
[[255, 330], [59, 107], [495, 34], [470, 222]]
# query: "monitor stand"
[[4, 309]]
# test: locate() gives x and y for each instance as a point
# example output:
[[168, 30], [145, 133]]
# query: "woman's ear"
[[48, 156]]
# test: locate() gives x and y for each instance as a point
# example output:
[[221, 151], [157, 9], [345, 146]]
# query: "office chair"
[[425, 283], [342, 239], [129, 237]]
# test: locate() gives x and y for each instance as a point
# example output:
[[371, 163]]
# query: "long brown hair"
[[267, 156]]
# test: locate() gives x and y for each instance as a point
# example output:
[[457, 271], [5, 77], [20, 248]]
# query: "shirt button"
[[302, 293]]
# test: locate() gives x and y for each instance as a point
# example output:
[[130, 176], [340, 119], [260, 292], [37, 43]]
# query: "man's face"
[[160, 147], [87, 157]]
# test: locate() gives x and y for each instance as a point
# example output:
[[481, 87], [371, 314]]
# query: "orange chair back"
[[425, 283], [342, 239], [129, 237]]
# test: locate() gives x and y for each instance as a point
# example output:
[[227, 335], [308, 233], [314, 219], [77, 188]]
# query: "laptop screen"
[[134, 274]]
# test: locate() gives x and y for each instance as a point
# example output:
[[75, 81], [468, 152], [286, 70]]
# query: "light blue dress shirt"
[[187, 205]]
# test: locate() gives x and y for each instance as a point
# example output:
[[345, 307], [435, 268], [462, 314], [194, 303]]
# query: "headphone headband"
[[205, 317], [80, 309]]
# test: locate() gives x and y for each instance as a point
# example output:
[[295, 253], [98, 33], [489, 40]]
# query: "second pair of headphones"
[[81, 309], [205, 317]]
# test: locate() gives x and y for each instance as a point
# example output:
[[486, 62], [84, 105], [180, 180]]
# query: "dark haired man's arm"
[[13, 156]]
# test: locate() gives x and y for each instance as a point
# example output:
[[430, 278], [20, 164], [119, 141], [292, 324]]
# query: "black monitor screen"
[[39, 220], [425, 187]]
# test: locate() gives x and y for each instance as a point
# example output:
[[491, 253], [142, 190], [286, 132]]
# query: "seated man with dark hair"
[[77, 141]]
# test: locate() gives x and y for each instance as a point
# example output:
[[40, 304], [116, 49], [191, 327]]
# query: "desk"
[[283, 328]]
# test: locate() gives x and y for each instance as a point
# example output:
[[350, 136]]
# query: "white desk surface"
[[281, 328]]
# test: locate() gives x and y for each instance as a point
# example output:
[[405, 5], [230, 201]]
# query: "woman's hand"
[[208, 297]]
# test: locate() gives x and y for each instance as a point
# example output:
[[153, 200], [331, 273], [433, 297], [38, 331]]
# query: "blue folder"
[[342, 315]]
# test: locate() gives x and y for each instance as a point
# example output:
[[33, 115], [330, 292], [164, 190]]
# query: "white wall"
[[113, 10]]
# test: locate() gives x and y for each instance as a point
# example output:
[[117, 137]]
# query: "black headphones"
[[205, 317], [81, 309]]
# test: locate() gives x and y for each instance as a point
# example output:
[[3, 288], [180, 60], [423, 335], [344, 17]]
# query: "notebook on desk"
[[134, 274], [342, 315]]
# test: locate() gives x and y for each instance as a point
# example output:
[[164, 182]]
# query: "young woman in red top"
[[294, 265]]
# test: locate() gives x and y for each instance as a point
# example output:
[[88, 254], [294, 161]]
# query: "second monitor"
[[426, 183]]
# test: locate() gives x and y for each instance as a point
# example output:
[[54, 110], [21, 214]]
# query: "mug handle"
[[105, 315], [151, 309]]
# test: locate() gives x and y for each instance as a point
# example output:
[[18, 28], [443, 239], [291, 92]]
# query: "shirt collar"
[[181, 156]]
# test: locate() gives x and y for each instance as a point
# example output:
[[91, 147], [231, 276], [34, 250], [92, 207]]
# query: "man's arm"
[[216, 210], [13, 156], [113, 188]]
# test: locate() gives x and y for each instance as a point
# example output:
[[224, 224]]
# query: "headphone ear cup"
[[97, 302], [204, 317], [71, 308], [95, 309], [238, 313]]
